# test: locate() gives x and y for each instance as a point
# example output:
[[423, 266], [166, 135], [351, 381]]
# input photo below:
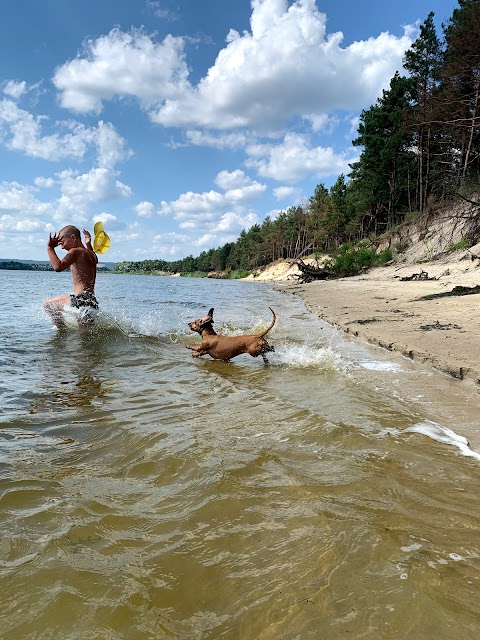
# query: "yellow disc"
[[98, 227], [101, 242]]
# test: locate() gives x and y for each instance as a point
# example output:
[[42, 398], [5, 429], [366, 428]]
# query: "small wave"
[[14, 440], [444, 435], [376, 365], [309, 356]]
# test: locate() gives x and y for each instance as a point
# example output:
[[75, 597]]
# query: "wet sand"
[[383, 309]]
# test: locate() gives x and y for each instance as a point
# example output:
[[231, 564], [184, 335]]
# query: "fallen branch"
[[309, 273], [423, 275]]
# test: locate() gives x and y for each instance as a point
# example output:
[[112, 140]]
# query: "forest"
[[420, 149]]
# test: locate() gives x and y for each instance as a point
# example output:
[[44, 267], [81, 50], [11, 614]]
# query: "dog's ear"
[[210, 313]]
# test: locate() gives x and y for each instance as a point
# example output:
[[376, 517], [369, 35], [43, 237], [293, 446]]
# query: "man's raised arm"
[[57, 264]]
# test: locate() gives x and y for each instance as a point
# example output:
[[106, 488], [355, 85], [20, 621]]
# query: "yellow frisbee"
[[101, 241]]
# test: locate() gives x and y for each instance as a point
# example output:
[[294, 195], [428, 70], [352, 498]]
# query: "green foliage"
[[461, 245], [236, 274], [352, 259], [14, 265]]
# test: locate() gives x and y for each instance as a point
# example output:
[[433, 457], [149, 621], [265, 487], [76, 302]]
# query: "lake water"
[[148, 494]]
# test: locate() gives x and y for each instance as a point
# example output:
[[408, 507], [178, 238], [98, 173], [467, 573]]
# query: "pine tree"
[[423, 61]]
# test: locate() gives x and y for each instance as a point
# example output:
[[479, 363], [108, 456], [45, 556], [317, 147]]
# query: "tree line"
[[420, 146], [14, 265]]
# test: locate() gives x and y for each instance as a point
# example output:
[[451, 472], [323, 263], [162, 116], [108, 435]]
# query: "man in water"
[[83, 266]]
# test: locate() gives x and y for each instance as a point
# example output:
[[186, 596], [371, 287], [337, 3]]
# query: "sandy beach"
[[381, 308]]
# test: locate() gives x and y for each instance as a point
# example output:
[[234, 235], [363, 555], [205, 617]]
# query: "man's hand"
[[52, 241], [88, 237]]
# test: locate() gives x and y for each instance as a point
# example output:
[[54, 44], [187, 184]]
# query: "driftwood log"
[[309, 272], [423, 275]]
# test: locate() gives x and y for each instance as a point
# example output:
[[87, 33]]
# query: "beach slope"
[[436, 320]]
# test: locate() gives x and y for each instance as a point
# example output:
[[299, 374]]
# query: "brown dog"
[[226, 347]]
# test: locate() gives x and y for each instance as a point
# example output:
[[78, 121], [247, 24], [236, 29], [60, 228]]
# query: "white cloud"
[[105, 218], [22, 225], [294, 159], [110, 145], [19, 199], [207, 240], [145, 209], [159, 12], [14, 89], [23, 132], [232, 179], [282, 193], [214, 210], [94, 186], [223, 141], [322, 122], [233, 222], [124, 65], [44, 183], [285, 66], [171, 238], [80, 190]]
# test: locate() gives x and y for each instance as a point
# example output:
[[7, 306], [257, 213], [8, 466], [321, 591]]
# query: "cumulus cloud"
[[171, 238], [284, 193], [111, 147], [15, 89], [216, 141], [123, 65], [145, 209], [80, 190], [94, 186], [233, 222], [199, 210], [286, 66], [231, 179], [108, 220], [294, 159], [21, 200], [23, 225], [213, 214], [44, 183], [24, 132]]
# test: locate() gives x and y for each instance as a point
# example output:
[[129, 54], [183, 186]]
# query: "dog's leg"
[[200, 351]]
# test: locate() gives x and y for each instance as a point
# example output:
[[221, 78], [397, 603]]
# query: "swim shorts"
[[84, 299]]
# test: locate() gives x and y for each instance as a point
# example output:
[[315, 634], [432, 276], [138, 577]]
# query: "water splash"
[[444, 435], [309, 356]]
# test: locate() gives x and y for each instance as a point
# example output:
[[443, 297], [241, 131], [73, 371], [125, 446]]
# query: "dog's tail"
[[264, 333]]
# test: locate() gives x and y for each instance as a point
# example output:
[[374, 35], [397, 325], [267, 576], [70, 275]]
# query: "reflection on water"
[[71, 376], [146, 494]]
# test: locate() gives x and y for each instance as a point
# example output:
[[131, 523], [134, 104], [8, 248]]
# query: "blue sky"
[[178, 123]]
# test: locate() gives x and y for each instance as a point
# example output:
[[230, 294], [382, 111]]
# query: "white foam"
[[373, 365], [309, 356], [413, 547], [444, 435]]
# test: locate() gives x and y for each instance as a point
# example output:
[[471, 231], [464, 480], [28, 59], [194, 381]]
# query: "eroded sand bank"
[[380, 307]]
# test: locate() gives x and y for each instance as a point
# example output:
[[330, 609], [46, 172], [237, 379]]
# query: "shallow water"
[[147, 494]]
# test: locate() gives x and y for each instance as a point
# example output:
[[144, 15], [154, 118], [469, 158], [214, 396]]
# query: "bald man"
[[83, 266]]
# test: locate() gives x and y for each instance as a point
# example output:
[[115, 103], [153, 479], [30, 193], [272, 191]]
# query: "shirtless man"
[[83, 266]]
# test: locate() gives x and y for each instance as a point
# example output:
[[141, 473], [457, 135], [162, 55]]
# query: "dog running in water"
[[227, 347]]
